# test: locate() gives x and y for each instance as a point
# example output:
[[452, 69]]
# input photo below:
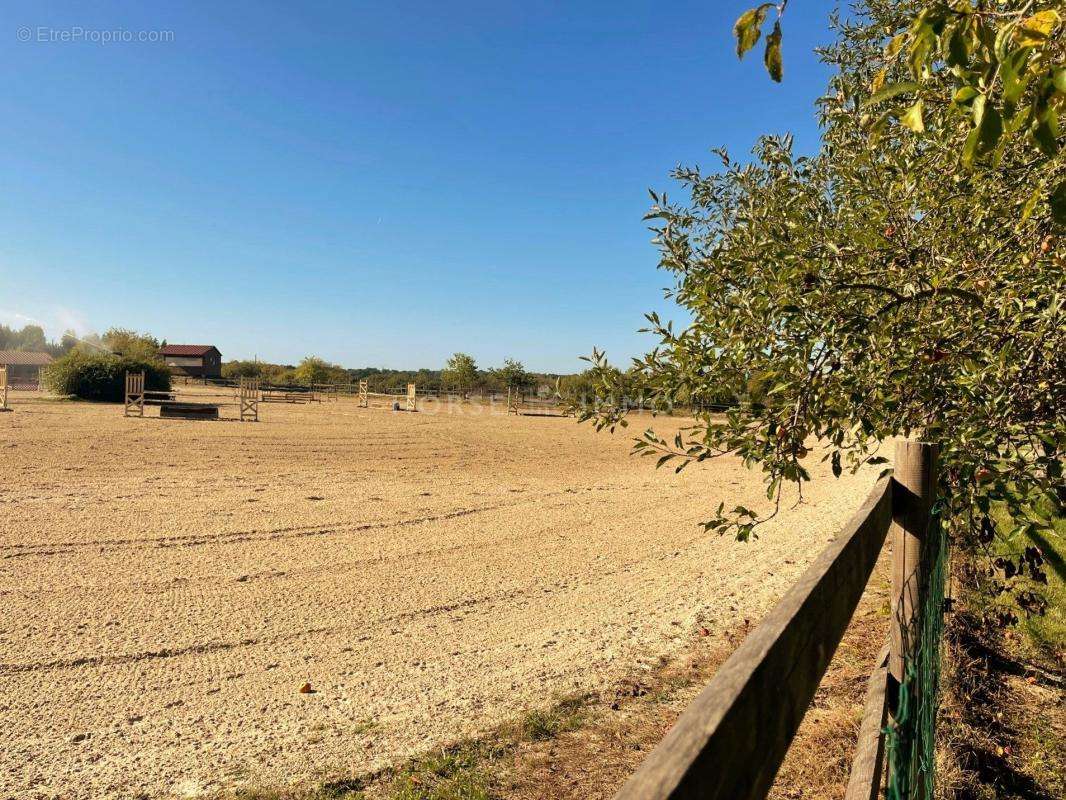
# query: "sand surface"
[[166, 587]]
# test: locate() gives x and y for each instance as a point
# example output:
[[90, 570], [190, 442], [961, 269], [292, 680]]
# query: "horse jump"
[[174, 404], [365, 394]]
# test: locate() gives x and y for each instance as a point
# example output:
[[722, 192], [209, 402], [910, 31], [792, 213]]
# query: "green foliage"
[[868, 292], [1033, 563], [512, 375], [998, 71], [128, 343], [269, 374], [318, 371], [460, 372], [31, 338], [101, 376]]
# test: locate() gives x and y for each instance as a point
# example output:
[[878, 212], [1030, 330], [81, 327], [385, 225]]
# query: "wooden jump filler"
[[364, 401], [412, 397], [134, 394]]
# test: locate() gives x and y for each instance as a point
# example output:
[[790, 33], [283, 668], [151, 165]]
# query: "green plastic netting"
[[911, 737]]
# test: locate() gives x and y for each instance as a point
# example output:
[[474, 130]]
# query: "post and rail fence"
[[731, 740]]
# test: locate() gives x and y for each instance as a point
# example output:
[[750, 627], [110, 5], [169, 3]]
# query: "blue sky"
[[375, 183]]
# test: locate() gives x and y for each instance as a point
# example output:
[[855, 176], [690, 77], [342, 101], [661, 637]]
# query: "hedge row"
[[101, 377]]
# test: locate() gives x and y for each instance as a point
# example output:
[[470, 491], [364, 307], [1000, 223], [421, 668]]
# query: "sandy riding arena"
[[169, 586]]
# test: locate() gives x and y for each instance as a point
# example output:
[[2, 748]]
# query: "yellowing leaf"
[[895, 45], [1030, 204], [748, 28], [772, 57], [878, 81], [1035, 30], [912, 118]]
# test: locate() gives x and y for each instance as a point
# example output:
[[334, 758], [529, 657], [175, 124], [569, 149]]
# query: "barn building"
[[24, 367], [194, 360]]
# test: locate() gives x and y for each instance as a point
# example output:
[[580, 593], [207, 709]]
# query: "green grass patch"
[[565, 715], [466, 770]]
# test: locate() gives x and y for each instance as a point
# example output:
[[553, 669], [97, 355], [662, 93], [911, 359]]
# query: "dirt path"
[[167, 587]]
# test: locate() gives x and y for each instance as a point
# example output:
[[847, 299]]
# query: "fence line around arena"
[[730, 741]]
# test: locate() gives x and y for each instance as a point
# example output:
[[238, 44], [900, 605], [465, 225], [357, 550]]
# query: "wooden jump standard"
[[730, 742], [411, 397], [3, 389], [173, 404]]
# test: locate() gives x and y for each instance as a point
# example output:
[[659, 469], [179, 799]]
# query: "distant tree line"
[[31, 338], [95, 354]]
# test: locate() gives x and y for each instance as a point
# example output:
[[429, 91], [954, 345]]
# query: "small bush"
[[102, 377]]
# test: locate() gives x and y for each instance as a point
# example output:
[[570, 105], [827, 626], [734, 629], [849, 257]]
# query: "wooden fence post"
[[913, 494]]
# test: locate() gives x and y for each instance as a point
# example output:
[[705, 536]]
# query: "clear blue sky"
[[377, 183]]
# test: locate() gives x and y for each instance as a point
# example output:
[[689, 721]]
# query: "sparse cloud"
[[55, 321]]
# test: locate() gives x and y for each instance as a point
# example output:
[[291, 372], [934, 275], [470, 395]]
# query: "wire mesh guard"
[[911, 736]]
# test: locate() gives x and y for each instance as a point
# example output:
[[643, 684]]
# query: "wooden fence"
[[730, 742], [3, 389]]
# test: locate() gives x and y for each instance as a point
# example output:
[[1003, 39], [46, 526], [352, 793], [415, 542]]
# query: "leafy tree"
[[460, 372], [512, 375], [68, 342], [125, 342], [29, 338], [996, 67], [316, 370], [868, 292]]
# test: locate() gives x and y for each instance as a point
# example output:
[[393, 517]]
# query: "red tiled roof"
[[24, 358], [186, 349]]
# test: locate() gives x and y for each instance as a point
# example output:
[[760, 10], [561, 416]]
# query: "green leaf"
[[912, 118], [1058, 204], [958, 50], [969, 148], [890, 91], [990, 129], [1030, 204], [964, 95], [1046, 132], [920, 48], [748, 28], [1058, 79], [772, 57]]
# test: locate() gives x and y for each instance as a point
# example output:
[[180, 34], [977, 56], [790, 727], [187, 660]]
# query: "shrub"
[[102, 377]]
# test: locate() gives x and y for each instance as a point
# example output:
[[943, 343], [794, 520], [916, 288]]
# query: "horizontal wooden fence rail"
[[730, 742], [865, 780]]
